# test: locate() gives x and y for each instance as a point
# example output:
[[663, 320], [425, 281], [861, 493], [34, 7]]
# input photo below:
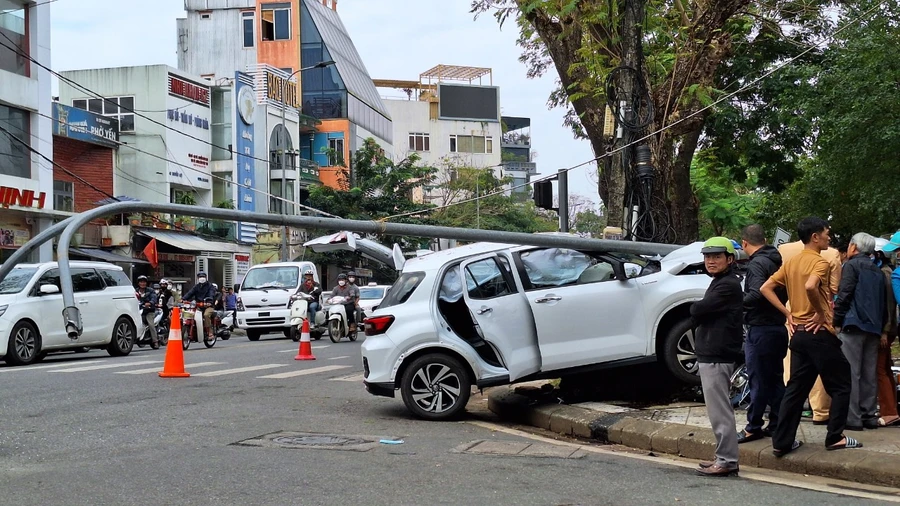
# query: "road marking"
[[156, 369], [108, 366], [807, 482], [338, 358], [53, 366], [287, 351], [304, 372], [238, 370], [321, 346], [352, 377]]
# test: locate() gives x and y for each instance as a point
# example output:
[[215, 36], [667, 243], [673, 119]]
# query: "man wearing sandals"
[[815, 349]]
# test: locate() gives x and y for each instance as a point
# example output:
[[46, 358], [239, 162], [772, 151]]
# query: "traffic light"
[[543, 194]]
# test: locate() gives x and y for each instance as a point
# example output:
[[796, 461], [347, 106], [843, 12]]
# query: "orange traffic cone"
[[174, 364], [305, 352]]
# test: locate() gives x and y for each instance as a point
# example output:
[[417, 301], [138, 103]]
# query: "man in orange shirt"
[[819, 400], [816, 349]]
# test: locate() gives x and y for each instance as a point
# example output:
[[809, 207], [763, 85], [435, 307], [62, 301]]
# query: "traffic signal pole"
[[563, 210]]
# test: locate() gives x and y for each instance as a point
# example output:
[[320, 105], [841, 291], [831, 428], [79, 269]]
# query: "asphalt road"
[[95, 430]]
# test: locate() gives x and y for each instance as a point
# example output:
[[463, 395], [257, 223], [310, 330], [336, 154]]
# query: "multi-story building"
[[516, 152], [451, 119], [26, 169], [219, 37]]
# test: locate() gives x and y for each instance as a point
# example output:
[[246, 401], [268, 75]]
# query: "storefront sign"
[[245, 173], [172, 257], [276, 84], [241, 265], [85, 126], [196, 93], [21, 197], [13, 237], [187, 119]]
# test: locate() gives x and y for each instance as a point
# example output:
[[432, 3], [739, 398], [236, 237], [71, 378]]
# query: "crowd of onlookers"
[[819, 324]]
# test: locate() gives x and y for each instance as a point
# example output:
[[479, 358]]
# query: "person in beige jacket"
[[819, 401]]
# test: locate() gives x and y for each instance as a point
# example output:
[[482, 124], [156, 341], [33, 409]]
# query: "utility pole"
[[563, 177]]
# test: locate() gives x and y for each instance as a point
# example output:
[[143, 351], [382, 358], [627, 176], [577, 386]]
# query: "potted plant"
[[134, 219], [187, 199]]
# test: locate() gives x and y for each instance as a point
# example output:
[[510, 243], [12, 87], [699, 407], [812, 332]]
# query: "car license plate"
[[264, 314]]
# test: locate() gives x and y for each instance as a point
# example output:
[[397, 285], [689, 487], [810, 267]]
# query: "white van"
[[264, 297]]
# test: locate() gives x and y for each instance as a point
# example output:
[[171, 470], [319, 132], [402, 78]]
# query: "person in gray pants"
[[717, 343], [861, 320]]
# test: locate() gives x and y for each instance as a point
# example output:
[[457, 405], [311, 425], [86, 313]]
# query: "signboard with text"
[[85, 126], [188, 112], [245, 108]]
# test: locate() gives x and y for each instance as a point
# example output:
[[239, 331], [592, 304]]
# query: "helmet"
[[718, 245], [156, 286], [201, 275], [352, 273], [141, 278], [215, 286], [342, 276], [308, 273], [164, 281]]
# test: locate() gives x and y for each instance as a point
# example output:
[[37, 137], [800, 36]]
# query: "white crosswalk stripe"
[[52, 366], [237, 370], [339, 358], [304, 372], [320, 347], [352, 377], [117, 365], [187, 367]]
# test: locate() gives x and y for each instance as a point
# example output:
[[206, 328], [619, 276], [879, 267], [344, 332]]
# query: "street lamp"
[[284, 230]]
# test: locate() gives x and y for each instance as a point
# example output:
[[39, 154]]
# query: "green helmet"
[[718, 245]]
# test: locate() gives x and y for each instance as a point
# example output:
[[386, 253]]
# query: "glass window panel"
[[248, 31], [126, 104], [14, 43], [426, 146], [412, 142], [79, 104], [15, 157], [282, 24], [111, 106], [95, 105], [126, 123], [477, 144]]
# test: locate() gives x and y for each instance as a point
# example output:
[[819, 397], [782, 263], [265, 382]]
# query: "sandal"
[[745, 437], [887, 423], [782, 453], [849, 444]]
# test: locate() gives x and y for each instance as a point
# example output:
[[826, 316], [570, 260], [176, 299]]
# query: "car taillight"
[[378, 324]]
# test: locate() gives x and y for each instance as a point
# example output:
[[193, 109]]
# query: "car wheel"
[[254, 335], [295, 336], [678, 353], [334, 330], [24, 345], [122, 338], [435, 387]]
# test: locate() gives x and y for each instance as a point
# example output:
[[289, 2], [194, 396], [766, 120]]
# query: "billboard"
[[85, 126], [188, 111], [245, 107], [468, 103]]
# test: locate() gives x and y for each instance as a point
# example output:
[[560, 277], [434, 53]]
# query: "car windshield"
[[371, 293], [271, 277], [16, 280], [400, 291]]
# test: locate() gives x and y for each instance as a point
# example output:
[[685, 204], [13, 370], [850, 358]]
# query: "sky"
[[396, 40]]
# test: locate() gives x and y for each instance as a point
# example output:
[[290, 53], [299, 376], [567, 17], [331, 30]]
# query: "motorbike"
[[300, 311], [219, 321], [336, 314], [192, 324], [162, 330]]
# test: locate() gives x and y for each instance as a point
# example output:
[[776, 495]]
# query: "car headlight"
[[3, 309]]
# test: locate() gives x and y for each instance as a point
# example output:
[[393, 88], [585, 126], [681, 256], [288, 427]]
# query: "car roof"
[[283, 264], [437, 259], [73, 263]]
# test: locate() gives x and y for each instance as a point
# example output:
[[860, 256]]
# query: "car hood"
[[8, 298], [677, 260]]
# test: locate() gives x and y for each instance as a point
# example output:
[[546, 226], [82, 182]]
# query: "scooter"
[[223, 330], [192, 325], [300, 312], [162, 331], [338, 328]]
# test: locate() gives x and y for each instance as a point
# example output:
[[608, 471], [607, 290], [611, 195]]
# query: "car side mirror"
[[48, 289], [631, 270]]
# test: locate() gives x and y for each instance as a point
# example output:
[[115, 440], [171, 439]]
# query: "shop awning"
[[106, 256], [190, 242]]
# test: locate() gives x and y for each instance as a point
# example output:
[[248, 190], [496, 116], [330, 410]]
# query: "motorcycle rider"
[[314, 290], [203, 291], [351, 292], [166, 298], [147, 303]]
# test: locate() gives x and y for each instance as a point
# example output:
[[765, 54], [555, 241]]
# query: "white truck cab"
[[264, 297]]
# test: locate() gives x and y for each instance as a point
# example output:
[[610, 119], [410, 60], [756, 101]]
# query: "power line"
[[663, 129], [36, 4]]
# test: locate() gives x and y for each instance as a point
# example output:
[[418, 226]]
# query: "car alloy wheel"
[[122, 338], [686, 355], [436, 387], [25, 342]]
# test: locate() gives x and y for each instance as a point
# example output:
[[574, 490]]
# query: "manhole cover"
[[301, 440]]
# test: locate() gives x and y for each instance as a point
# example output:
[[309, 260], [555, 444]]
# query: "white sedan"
[[371, 296]]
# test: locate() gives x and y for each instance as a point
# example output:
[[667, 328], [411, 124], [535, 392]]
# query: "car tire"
[[254, 335], [430, 382], [295, 336], [122, 340], [678, 353], [24, 345]]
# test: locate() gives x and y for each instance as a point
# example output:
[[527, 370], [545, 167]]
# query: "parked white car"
[[31, 323], [371, 296], [527, 313]]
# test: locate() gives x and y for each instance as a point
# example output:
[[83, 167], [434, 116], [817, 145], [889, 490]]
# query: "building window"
[[476, 144], [63, 196], [120, 108], [15, 157], [335, 152], [13, 23], [419, 142], [249, 22], [276, 21]]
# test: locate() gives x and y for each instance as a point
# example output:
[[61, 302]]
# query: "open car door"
[[501, 313]]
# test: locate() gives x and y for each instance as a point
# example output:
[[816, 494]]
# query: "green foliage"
[[726, 205], [588, 222]]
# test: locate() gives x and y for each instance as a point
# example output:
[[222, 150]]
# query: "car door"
[[584, 313], [46, 310], [95, 309], [501, 313]]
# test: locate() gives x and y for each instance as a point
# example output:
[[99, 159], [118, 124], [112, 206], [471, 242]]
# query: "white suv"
[[31, 306], [493, 314]]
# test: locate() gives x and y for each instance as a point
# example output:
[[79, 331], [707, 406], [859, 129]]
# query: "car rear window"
[[401, 290]]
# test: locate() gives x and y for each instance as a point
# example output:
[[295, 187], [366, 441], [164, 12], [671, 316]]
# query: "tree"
[[725, 206], [598, 49]]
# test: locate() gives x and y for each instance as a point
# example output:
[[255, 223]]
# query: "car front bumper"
[[263, 318]]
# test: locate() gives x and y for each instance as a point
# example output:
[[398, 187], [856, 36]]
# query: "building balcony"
[[515, 140], [223, 230], [529, 168]]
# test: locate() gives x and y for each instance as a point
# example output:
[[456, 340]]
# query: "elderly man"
[[819, 400], [861, 321]]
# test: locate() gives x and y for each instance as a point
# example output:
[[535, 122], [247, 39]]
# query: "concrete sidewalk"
[[683, 429]]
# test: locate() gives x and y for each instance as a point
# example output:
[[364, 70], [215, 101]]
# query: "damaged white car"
[[492, 314]]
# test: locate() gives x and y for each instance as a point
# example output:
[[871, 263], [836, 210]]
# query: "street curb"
[[698, 443]]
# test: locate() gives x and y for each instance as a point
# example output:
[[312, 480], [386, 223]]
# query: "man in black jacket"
[[717, 343], [860, 320], [147, 302], [767, 336]]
